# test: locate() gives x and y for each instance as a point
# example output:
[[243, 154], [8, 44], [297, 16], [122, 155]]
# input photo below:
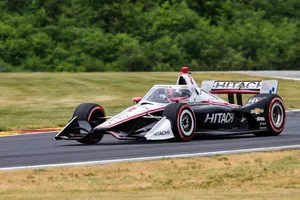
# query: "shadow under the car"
[[120, 142], [221, 137], [197, 137]]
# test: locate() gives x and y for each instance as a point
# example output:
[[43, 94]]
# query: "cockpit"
[[168, 94]]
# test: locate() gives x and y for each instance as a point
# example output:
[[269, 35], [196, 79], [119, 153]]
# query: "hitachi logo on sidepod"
[[220, 118]]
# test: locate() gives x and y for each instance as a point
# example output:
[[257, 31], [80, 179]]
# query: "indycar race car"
[[182, 110]]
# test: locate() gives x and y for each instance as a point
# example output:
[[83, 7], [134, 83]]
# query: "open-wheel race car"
[[179, 111]]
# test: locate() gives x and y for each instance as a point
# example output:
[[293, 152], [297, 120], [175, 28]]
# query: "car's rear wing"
[[239, 88]]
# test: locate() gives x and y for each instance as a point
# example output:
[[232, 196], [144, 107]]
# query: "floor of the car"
[[230, 131]]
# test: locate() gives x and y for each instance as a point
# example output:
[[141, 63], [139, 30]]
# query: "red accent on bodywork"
[[136, 99], [185, 70], [131, 109], [234, 91], [114, 134], [220, 103], [177, 99]]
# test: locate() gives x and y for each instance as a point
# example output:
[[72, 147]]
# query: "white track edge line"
[[103, 162], [296, 110]]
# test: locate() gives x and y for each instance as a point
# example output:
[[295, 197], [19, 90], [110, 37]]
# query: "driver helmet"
[[172, 93], [169, 93]]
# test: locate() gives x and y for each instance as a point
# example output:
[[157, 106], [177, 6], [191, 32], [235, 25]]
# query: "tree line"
[[149, 35]]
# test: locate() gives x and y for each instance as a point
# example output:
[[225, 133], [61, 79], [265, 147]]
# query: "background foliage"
[[148, 35]]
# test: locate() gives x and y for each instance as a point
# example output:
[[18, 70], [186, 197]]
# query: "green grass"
[[39, 100], [269, 175]]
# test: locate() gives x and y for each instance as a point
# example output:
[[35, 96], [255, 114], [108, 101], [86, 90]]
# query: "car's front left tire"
[[94, 114]]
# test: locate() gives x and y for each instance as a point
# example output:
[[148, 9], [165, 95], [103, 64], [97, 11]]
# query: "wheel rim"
[[186, 123], [277, 114], [94, 118]]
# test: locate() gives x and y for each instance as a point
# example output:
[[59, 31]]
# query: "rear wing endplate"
[[240, 87]]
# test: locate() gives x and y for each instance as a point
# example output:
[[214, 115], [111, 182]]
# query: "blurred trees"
[[147, 35]]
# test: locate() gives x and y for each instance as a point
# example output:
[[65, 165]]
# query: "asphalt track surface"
[[40, 149]]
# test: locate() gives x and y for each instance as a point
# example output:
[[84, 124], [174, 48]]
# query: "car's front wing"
[[76, 130]]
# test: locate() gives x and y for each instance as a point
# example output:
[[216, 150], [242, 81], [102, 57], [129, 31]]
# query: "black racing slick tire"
[[275, 116], [183, 121], [92, 113]]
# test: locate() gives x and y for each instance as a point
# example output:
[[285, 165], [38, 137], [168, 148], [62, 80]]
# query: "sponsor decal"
[[161, 133], [260, 119], [131, 109], [262, 124], [239, 85], [271, 91], [243, 119], [253, 100], [257, 111], [194, 103], [117, 118], [221, 118]]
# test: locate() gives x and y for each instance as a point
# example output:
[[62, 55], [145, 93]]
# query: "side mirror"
[[136, 99]]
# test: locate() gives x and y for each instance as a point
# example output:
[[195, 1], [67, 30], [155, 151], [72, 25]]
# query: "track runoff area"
[[292, 141]]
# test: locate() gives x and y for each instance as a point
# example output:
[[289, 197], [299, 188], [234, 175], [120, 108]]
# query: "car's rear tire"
[[183, 121], [275, 116], [91, 113]]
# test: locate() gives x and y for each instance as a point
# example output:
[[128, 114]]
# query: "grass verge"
[[270, 175], [38, 100]]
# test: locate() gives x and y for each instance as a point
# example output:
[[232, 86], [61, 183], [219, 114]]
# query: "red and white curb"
[[18, 133], [103, 162]]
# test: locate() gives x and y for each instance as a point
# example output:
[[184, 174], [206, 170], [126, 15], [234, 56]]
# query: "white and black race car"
[[182, 110]]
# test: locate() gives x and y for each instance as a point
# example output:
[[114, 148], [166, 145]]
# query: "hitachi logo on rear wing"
[[237, 85], [244, 87]]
